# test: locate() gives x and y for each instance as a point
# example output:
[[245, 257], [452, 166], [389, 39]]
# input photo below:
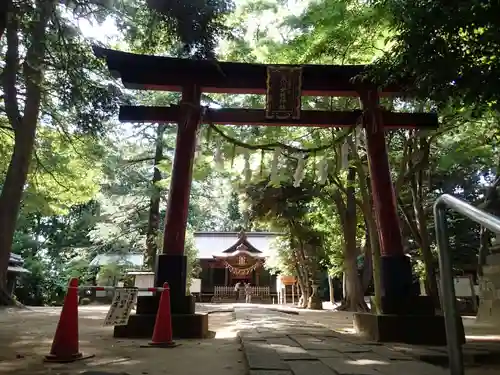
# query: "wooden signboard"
[[120, 309], [284, 93]]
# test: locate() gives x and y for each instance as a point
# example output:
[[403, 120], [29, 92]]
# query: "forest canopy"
[[75, 182]]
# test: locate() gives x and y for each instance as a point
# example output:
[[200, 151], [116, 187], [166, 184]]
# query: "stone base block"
[[413, 305], [409, 329], [181, 305], [184, 326]]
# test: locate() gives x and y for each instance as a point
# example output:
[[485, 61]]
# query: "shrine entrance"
[[284, 87], [241, 263]]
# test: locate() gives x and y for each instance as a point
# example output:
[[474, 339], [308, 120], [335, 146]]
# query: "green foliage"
[[109, 274], [286, 209], [56, 248], [282, 204], [76, 95], [333, 32], [38, 287], [47, 282], [466, 162], [63, 173], [233, 207], [281, 259], [189, 28], [193, 264], [444, 50], [326, 221]]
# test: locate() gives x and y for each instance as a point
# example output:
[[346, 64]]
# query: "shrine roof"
[[210, 244], [148, 72]]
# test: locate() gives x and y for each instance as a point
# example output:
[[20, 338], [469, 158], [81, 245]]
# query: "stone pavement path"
[[279, 344], [481, 349]]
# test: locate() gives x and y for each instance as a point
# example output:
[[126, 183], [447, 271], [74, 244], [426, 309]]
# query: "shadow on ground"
[[258, 339], [288, 344], [26, 337]]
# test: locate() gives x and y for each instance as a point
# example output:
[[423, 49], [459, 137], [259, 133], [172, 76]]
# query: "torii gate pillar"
[[396, 271], [171, 264], [406, 316]]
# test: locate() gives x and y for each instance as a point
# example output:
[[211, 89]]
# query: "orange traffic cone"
[[162, 333], [65, 347]]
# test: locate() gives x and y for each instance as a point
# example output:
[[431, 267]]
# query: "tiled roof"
[[209, 244]]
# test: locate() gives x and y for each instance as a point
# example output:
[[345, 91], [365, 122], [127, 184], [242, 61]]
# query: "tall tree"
[[24, 125], [45, 81], [197, 24], [154, 203], [443, 61], [346, 209]]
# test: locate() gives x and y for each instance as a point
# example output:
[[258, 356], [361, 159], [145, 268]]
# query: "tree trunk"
[[24, 126], [299, 292], [154, 204], [331, 290], [367, 274], [306, 287], [417, 194], [304, 295], [344, 285], [375, 250], [304, 271], [354, 298], [428, 258], [366, 206]]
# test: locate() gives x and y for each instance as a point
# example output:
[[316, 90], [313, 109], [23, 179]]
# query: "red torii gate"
[[284, 85]]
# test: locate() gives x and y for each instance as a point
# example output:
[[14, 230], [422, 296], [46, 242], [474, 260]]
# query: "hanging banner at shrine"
[[284, 92], [120, 308], [241, 270]]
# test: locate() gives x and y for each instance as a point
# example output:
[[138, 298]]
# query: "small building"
[[119, 264], [14, 270], [228, 258], [143, 279]]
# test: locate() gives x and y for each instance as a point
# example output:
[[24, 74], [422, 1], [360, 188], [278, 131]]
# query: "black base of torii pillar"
[[171, 265], [406, 316]]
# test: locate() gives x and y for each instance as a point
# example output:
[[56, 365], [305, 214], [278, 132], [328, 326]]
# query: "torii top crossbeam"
[[146, 72]]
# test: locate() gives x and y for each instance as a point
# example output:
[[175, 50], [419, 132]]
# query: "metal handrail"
[[451, 316]]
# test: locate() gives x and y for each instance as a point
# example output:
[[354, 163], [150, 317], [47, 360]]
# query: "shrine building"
[[227, 258]]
